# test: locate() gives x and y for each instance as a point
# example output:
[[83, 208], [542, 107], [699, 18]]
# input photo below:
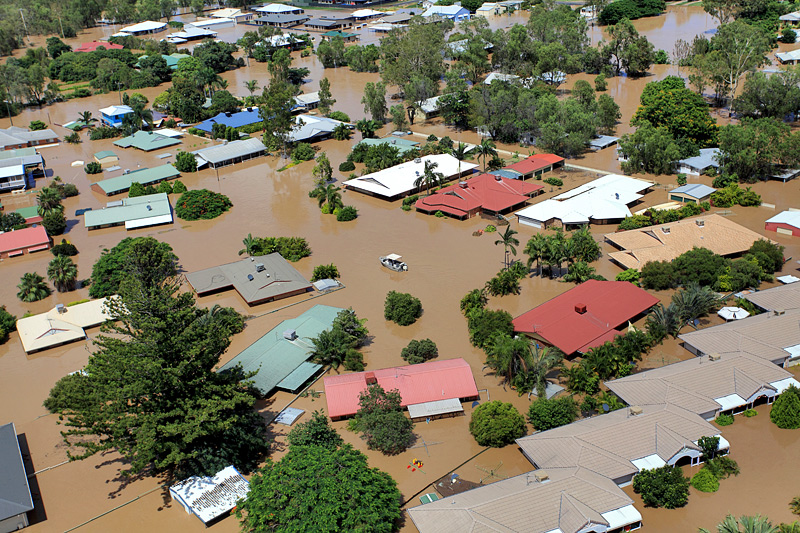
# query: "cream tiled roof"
[[568, 501], [665, 242], [659, 429], [694, 384]]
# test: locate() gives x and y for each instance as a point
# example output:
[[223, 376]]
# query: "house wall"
[[14, 523], [782, 228]]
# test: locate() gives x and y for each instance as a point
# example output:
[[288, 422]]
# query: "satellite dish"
[[606, 408]]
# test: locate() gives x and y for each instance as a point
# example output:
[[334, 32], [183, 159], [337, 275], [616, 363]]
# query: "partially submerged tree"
[[381, 420]]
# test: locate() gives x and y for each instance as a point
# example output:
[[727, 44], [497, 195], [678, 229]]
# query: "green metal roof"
[[278, 361], [18, 152], [131, 209], [104, 154], [300, 375], [337, 33], [403, 145], [28, 212], [146, 176], [147, 141]]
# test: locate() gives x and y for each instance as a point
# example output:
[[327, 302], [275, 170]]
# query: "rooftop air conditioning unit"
[[260, 267], [700, 222], [370, 378], [498, 178], [541, 476], [227, 113], [713, 357], [149, 207], [665, 230], [778, 312], [61, 309], [290, 334], [462, 184], [417, 160], [635, 410]]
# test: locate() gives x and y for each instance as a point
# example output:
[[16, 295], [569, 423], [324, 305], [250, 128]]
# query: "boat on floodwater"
[[394, 262]]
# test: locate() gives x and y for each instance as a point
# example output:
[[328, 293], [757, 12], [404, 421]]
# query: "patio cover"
[[435, 408]]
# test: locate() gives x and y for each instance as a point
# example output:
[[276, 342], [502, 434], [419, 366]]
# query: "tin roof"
[[144, 210], [577, 319], [145, 176], [146, 140], [234, 120], [421, 383], [23, 238], [232, 150], [487, 191], [695, 190], [15, 493]]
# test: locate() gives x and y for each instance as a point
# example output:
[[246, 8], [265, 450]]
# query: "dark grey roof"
[[328, 23], [15, 494]]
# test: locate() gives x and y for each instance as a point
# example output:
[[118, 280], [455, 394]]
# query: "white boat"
[[394, 262]]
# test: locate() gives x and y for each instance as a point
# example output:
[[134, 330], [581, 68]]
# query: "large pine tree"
[[150, 391]]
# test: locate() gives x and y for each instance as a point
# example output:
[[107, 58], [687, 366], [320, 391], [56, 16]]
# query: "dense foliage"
[[32, 288], [551, 251], [496, 424], [64, 248], [631, 10], [8, 323], [419, 351], [612, 359], [149, 390], [545, 414], [291, 248], [346, 213], [321, 485], [324, 272], [785, 412], [185, 162], [93, 168], [108, 271], [402, 308], [202, 204], [339, 344], [382, 421], [662, 487]]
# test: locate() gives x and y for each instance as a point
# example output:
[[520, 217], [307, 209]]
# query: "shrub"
[[662, 487], [55, 223], [303, 152], [178, 187], [409, 201], [552, 180], [681, 179], [137, 189], [339, 115], [785, 412], [324, 272], [722, 467], [705, 481], [490, 229], [658, 275], [103, 132], [545, 414], [402, 308], [291, 248], [750, 413], [72, 138], [354, 361], [600, 83], [37, 125], [724, 420], [496, 424], [484, 324], [8, 323], [788, 36], [346, 213], [201, 204], [635, 222], [185, 162], [65, 248], [382, 421], [661, 57], [419, 351], [347, 166], [93, 168], [630, 274], [68, 190]]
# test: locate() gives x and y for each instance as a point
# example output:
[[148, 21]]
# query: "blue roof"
[[234, 120], [506, 173], [695, 190]]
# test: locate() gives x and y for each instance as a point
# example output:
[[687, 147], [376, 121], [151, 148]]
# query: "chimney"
[[634, 410], [370, 378], [541, 476], [580, 308]]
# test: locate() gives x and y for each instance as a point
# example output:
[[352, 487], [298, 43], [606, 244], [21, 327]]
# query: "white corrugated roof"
[[12, 170], [147, 25], [114, 110], [210, 497], [276, 8], [791, 218], [649, 462], [400, 178], [621, 517], [438, 407], [793, 55], [730, 401]]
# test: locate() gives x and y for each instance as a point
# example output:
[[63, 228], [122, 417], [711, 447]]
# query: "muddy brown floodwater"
[[445, 261]]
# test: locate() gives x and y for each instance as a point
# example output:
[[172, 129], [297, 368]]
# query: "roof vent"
[[290, 334], [665, 230], [370, 378], [778, 312], [700, 222], [541, 476], [462, 184], [417, 160], [250, 277], [61, 309], [713, 357], [260, 267], [635, 410], [227, 113], [498, 177], [394, 141], [149, 207], [580, 308], [616, 195]]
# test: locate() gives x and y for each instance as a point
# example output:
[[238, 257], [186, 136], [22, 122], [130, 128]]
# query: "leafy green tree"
[[328, 197], [631, 52], [485, 149], [399, 119], [507, 281], [8, 323], [324, 272], [785, 412], [768, 254], [109, 270], [48, 200], [649, 149], [475, 300], [773, 96], [331, 53], [381, 420], [340, 343], [367, 128], [11, 221], [276, 113], [63, 273], [485, 324], [331, 488], [136, 190], [326, 99], [545, 414], [202, 204], [694, 301], [608, 114], [54, 222], [565, 127], [738, 48], [341, 132], [417, 50], [402, 308], [709, 447], [745, 524], [429, 177], [663, 321], [698, 265], [752, 148], [662, 487], [374, 101], [658, 275], [419, 351], [496, 424], [579, 272]]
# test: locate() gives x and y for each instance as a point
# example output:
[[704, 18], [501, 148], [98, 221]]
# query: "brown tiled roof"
[[665, 242], [568, 501]]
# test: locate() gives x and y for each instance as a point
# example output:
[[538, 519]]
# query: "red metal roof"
[[609, 304], [23, 238], [92, 46], [425, 382], [485, 191], [535, 163]]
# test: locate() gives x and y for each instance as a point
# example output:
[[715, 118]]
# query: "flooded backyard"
[[445, 262]]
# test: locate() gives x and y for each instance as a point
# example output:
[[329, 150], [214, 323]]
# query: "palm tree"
[[330, 347], [579, 272], [535, 250], [694, 301], [250, 244], [486, 149], [63, 273], [543, 361], [663, 321], [251, 86], [367, 128], [429, 178], [32, 288], [460, 152], [509, 242], [749, 524], [522, 363], [48, 200], [87, 118], [330, 195]]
